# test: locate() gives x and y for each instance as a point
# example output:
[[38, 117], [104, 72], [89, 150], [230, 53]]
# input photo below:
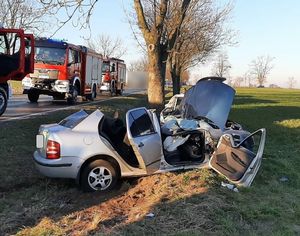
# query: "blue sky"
[[265, 27]]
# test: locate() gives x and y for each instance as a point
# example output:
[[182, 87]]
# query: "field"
[[183, 203]]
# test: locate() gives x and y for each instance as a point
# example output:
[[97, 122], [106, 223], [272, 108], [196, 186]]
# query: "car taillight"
[[53, 150]]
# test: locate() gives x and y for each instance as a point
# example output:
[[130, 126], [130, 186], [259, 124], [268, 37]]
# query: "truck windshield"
[[105, 67], [53, 56]]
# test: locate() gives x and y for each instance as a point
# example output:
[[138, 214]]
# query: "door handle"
[[141, 144]]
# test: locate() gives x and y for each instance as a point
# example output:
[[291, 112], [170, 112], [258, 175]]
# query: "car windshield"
[[74, 119], [47, 55]]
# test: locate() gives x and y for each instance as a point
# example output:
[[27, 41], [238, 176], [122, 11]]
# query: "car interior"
[[193, 150], [114, 131]]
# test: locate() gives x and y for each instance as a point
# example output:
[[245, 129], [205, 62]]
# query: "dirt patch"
[[116, 214]]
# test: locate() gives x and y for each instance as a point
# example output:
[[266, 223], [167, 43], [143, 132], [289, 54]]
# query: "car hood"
[[211, 99]]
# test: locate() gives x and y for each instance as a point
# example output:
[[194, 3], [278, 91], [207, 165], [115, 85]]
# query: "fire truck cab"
[[113, 76], [63, 71], [16, 60]]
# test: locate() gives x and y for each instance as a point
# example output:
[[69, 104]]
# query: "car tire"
[[99, 175], [33, 96], [3, 100]]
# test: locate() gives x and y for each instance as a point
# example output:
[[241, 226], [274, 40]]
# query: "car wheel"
[[99, 175], [3, 100], [33, 96]]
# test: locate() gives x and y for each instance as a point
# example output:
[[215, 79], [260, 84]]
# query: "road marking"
[[63, 108]]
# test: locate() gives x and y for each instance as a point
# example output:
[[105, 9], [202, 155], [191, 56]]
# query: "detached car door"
[[143, 132], [240, 162]]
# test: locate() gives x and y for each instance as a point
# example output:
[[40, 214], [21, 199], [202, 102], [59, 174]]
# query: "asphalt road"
[[19, 107]]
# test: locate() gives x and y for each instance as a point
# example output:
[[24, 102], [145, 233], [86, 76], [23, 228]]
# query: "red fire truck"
[[16, 59], [113, 76], [63, 71]]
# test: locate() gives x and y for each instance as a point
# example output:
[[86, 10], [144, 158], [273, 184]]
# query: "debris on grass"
[[284, 179], [230, 186], [150, 215]]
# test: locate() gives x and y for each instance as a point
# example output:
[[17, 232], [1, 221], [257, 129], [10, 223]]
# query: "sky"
[[264, 27]]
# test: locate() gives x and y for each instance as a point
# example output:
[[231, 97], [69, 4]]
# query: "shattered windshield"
[[53, 56], [210, 99]]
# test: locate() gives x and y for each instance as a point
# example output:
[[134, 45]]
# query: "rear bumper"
[[65, 167]]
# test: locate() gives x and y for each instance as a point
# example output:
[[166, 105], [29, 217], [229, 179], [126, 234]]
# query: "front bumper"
[[64, 167], [105, 87]]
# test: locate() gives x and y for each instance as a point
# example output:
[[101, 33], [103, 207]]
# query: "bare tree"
[[24, 14], [247, 79], [292, 82], [221, 66], [152, 19], [201, 34], [238, 81], [260, 68], [107, 46], [139, 65], [78, 12]]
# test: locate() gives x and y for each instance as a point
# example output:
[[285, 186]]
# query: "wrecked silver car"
[[97, 150]]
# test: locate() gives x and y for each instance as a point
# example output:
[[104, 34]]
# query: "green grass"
[[184, 203]]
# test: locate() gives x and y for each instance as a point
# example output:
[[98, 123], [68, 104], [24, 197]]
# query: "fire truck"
[[16, 59], [63, 71], [113, 76]]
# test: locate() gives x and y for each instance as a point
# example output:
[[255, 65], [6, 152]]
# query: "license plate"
[[39, 141], [44, 77]]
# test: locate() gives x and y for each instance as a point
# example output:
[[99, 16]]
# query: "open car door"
[[239, 163], [143, 132]]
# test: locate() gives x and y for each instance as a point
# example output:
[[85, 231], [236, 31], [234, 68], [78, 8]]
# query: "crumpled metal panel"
[[208, 98]]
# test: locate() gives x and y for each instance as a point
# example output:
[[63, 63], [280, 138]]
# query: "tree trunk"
[[176, 82], [155, 81]]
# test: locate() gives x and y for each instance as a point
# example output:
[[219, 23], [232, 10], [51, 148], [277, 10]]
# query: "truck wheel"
[[93, 95], [99, 175], [120, 92], [3, 100], [33, 96], [113, 90], [73, 98]]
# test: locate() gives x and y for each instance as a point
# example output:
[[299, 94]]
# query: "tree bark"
[[155, 81], [176, 82]]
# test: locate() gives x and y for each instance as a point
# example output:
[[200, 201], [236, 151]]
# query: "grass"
[[184, 203]]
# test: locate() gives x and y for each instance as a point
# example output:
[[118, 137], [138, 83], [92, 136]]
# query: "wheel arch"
[[5, 87], [77, 83], [108, 158]]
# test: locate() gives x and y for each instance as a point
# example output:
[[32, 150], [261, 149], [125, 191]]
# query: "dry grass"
[[184, 203], [150, 194]]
